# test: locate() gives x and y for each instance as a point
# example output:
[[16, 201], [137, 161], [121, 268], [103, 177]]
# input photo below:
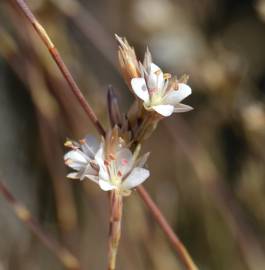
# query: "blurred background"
[[207, 166]]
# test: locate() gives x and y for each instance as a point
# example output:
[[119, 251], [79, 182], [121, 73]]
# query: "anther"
[[70, 144], [112, 157], [68, 161], [167, 76]]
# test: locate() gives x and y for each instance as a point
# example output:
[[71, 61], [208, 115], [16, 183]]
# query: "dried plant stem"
[[68, 260], [115, 227], [60, 63], [183, 254]]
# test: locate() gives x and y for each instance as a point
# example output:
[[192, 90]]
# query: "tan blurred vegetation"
[[207, 166]]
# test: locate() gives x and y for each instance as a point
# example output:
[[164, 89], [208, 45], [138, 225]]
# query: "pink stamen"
[[112, 157], [119, 174]]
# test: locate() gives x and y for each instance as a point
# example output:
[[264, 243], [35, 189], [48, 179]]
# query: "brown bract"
[[127, 60]]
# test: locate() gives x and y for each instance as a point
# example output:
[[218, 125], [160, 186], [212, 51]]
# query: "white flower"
[[159, 91], [81, 158], [120, 170], [110, 165]]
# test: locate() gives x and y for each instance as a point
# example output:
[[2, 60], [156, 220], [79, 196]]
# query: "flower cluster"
[[110, 164]]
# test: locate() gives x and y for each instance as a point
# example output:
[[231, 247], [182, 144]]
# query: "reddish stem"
[[161, 220], [61, 65]]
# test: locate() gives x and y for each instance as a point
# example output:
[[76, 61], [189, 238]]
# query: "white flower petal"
[[177, 96], [124, 160], [99, 157], [124, 153], [103, 174], [106, 186], [140, 89], [75, 165], [156, 77], [165, 110], [76, 155], [136, 177], [179, 108], [155, 68], [76, 159], [73, 175], [90, 146]]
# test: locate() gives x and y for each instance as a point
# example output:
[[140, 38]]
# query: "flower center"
[[114, 170], [156, 99]]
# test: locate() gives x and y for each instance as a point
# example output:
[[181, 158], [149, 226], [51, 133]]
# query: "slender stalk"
[[68, 260], [183, 254], [115, 227], [160, 219], [60, 63]]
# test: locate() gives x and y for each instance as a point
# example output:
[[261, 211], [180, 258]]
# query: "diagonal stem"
[[155, 211], [68, 260], [61, 65], [183, 254]]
